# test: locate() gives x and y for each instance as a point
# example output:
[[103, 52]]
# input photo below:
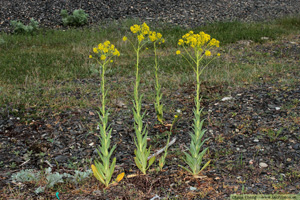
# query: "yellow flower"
[[159, 35], [103, 57], [141, 37], [214, 42], [90, 56], [105, 50], [145, 29], [180, 42], [207, 53], [95, 50], [198, 40], [177, 52], [106, 43], [135, 28], [163, 40], [124, 38], [116, 53], [111, 61], [112, 47], [152, 36], [218, 54], [100, 46]]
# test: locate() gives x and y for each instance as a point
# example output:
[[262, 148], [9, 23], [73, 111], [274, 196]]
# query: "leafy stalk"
[[103, 168], [141, 152], [201, 44]]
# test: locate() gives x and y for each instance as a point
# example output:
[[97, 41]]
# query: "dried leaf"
[[97, 174], [120, 177]]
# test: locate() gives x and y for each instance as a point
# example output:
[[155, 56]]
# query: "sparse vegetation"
[[20, 28], [78, 18], [50, 87]]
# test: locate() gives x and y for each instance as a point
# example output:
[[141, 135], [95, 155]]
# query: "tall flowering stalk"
[[141, 152], [103, 169], [200, 45], [157, 38]]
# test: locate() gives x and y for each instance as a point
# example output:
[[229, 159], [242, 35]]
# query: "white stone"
[[226, 98], [263, 165], [264, 38], [193, 188]]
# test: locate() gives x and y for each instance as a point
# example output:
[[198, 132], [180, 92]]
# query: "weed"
[[29, 175], [273, 135], [20, 28], [13, 165], [141, 152], [197, 46], [219, 139], [16, 153], [78, 18]]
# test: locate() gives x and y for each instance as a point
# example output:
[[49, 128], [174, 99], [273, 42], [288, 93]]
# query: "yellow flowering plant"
[[157, 38], [141, 152], [200, 45], [103, 169]]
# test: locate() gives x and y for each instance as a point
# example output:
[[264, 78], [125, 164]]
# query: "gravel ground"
[[188, 13]]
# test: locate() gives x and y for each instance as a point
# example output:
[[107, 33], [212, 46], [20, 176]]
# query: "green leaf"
[[111, 170], [186, 169], [151, 161], [138, 163], [206, 164]]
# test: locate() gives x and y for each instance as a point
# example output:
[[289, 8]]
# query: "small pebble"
[[226, 98], [263, 165], [264, 38], [193, 188]]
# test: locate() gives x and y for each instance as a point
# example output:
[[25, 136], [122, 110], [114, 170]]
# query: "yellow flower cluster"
[[154, 37], [198, 41], [143, 31], [140, 30], [104, 50]]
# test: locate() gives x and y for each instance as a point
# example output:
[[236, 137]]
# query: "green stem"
[[157, 85], [136, 89], [156, 66], [103, 94]]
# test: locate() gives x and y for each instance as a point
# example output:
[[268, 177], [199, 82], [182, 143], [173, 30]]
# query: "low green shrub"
[[78, 18], [29, 175], [20, 28]]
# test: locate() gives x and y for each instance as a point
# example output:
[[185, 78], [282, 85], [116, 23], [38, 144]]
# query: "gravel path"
[[183, 12]]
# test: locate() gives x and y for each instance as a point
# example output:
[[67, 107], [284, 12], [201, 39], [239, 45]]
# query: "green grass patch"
[[56, 54], [50, 57]]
